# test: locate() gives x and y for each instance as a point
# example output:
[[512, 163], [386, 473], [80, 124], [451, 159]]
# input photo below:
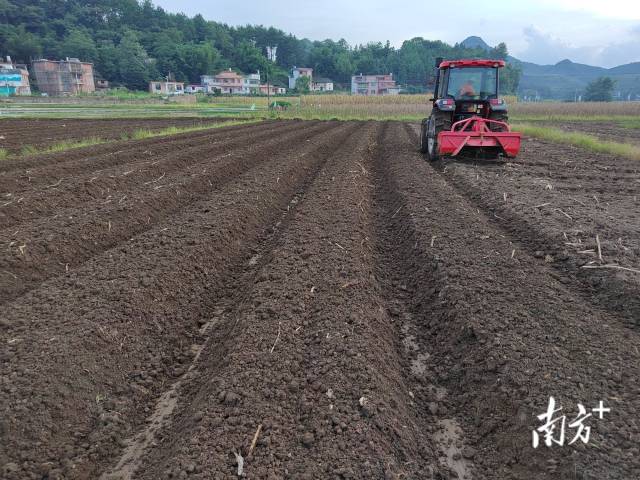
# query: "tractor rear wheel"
[[423, 135], [432, 140], [434, 125], [499, 116]]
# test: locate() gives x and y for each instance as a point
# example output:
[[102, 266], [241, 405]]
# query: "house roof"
[[227, 74], [322, 80]]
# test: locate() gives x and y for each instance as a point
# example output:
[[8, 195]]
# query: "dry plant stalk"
[[254, 441]]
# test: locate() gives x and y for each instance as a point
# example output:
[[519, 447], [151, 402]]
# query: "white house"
[[322, 85], [195, 88], [251, 83], [296, 73], [229, 81], [166, 88]]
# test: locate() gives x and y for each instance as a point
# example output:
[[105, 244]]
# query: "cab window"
[[472, 83]]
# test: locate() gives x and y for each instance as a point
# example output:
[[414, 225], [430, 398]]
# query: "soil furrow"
[[218, 331], [130, 317], [562, 226], [42, 132], [111, 184], [55, 177], [311, 356], [101, 156], [54, 246], [501, 334]]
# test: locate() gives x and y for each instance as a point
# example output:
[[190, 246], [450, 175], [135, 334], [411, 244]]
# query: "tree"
[[135, 67], [499, 52], [600, 90], [23, 46], [303, 84], [510, 79], [79, 44]]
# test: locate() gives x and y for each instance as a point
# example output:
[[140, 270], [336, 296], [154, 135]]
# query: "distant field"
[[342, 107], [629, 112]]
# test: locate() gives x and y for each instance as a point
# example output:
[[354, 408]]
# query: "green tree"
[[600, 90], [249, 58], [499, 52], [79, 44], [303, 84], [135, 67], [23, 46], [510, 79]]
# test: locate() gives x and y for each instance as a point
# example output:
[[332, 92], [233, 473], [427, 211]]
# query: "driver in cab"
[[467, 90]]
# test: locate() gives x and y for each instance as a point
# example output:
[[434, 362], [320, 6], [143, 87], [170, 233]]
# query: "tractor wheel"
[[432, 140], [501, 117], [423, 136]]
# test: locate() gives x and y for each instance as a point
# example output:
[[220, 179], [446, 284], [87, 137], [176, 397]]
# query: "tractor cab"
[[468, 116], [469, 88]]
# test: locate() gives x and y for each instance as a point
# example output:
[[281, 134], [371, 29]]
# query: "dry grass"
[[581, 140], [585, 111], [358, 107]]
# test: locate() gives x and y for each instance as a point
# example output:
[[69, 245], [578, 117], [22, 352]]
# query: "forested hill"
[[131, 42]]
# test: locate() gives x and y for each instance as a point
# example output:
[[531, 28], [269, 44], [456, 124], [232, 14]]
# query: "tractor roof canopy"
[[472, 63]]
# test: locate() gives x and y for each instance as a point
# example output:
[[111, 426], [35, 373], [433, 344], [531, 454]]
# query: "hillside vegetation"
[[133, 42]]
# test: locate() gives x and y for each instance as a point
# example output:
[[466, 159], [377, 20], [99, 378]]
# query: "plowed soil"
[[38, 133], [311, 300]]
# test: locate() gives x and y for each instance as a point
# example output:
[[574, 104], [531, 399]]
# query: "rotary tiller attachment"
[[479, 135]]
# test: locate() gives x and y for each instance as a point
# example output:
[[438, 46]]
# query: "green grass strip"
[[631, 123], [135, 135], [582, 140]]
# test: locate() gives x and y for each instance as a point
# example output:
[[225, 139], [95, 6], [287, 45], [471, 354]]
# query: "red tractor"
[[468, 117]]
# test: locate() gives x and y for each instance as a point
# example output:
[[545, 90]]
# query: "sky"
[[595, 32]]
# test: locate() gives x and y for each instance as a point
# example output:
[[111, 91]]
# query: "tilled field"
[[38, 133], [314, 300]]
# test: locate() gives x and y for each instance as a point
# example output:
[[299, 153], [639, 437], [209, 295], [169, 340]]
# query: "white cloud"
[[543, 47]]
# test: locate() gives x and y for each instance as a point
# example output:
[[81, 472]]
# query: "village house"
[[230, 82], [64, 77], [14, 79], [374, 85], [195, 88], [317, 85], [226, 81], [251, 83], [296, 73], [272, 90], [322, 85], [166, 88]]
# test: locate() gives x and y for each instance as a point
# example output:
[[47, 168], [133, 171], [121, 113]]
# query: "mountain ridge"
[[567, 79]]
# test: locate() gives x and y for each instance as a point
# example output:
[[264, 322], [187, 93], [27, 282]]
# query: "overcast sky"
[[596, 32]]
